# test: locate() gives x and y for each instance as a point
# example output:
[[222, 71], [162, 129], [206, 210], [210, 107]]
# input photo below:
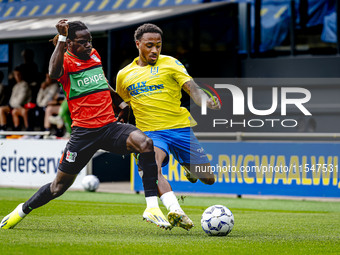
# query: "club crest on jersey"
[[154, 70], [71, 156], [95, 58]]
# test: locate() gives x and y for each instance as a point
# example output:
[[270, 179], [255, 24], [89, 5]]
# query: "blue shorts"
[[180, 142]]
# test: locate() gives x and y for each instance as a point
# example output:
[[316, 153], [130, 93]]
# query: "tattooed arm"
[[196, 93]]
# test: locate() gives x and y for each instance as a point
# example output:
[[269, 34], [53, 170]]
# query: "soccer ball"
[[217, 220], [90, 183]]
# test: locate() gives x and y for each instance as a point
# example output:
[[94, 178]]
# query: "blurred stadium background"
[[219, 39]]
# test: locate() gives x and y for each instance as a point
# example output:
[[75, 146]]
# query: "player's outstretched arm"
[[196, 93], [124, 113], [55, 69]]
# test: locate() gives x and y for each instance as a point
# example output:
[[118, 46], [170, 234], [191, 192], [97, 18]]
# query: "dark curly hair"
[[74, 26], [147, 28]]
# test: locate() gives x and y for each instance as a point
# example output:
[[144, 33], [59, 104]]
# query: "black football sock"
[[18, 128], [147, 163], [40, 198]]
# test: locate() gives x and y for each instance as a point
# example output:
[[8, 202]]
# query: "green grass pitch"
[[106, 223]]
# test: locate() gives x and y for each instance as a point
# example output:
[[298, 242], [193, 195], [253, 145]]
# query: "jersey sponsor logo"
[[141, 87], [131, 77], [71, 156], [154, 70], [178, 63], [136, 85], [91, 79], [78, 64], [87, 81], [132, 74], [95, 58]]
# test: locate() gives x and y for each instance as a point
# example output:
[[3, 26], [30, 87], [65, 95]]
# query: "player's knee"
[[146, 145], [208, 181], [48, 110]]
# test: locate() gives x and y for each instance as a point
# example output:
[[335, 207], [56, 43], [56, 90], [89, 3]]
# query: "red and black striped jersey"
[[87, 91]]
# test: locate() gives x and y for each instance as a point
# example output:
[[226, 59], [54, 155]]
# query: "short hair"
[[73, 27], [19, 69], [147, 28]]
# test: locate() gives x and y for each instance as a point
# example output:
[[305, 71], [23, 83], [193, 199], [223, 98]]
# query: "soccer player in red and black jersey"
[[80, 72]]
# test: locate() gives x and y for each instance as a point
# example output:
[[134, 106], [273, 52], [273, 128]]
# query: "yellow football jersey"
[[155, 92]]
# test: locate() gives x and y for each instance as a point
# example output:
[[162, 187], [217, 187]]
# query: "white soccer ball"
[[217, 220], [90, 183]]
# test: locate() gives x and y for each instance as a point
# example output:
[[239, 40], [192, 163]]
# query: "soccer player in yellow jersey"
[[152, 85]]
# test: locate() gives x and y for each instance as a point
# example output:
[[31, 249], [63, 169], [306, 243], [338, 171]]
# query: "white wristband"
[[122, 105], [62, 38]]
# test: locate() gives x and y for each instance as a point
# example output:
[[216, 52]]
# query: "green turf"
[[105, 223]]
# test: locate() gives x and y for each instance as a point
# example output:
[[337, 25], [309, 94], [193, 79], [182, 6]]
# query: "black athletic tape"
[[40, 198], [147, 163]]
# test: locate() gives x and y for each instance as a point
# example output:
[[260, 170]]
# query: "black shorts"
[[85, 142]]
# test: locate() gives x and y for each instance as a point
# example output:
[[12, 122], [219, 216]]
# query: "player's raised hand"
[[214, 104], [62, 27]]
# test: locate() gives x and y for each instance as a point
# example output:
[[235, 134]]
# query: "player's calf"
[[208, 181], [200, 172]]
